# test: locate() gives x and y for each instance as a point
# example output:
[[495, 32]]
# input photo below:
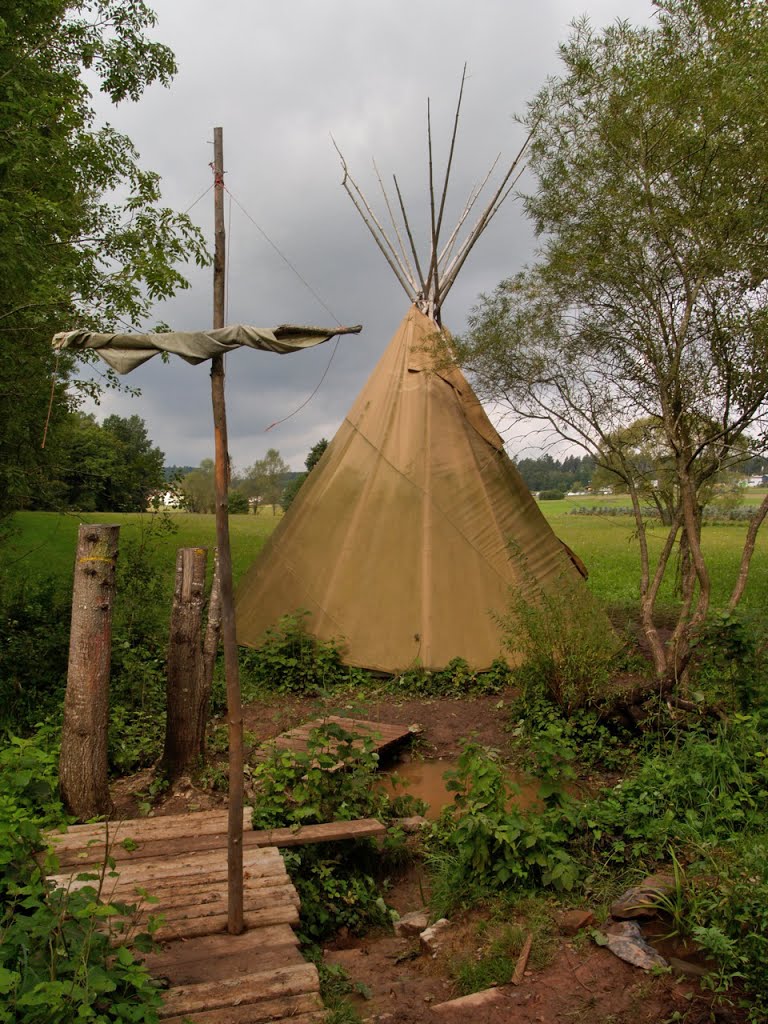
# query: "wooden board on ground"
[[383, 735], [213, 977], [127, 844]]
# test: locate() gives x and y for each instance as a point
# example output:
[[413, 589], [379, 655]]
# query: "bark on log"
[[83, 758], [185, 724]]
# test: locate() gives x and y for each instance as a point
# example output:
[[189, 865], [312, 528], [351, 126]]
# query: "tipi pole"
[[221, 473]]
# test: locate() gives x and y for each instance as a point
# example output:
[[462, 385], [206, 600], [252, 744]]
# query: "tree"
[[111, 467], [198, 488], [649, 296], [265, 479], [141, 463], [290, 492], [84, 239]]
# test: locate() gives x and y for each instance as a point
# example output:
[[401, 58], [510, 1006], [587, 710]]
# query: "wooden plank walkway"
[[383, 735], [181, 861], [213, 977]]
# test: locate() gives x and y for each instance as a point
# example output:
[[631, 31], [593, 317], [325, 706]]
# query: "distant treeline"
[[548, 474]]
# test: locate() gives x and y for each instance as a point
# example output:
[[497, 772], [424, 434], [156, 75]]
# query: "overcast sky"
[[281, 78]]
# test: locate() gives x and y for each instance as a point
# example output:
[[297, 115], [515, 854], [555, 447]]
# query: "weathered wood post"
[[184, 727], [83, 759], [228, 632]]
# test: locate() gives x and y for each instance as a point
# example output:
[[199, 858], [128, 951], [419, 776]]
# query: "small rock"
[[478, 1000], [641, 900], [626, 941], [432, 938], [572, 921], [412, 924]]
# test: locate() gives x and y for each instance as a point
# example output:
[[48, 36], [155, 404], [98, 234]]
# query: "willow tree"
[[648, 298]]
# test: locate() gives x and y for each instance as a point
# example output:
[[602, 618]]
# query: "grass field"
[[44, 545]]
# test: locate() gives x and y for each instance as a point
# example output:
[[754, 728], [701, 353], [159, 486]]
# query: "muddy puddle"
[[424, 780]]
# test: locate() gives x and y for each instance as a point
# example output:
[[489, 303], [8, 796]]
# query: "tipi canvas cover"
[[405, 539]]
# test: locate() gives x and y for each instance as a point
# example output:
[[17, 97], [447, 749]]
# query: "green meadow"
[[43, 544]]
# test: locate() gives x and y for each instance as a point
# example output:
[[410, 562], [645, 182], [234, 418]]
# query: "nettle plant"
[[59, 959]]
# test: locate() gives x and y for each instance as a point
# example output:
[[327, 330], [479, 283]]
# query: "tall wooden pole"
[[234, 707]]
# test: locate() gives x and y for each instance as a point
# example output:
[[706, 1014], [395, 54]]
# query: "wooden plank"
[[285, 913], [328, 832], [183, 892], [208, 883], [306, 1008], [194, 824], [144, 874], [170, 902], [218, 905], [270, 958], [383, 734], [161, 849], [184, 962], [250, 988]]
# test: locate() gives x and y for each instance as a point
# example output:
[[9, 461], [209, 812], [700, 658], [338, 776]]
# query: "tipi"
[[408, 534]]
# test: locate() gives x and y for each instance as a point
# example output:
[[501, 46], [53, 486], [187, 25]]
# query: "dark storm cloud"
[[280, 78]]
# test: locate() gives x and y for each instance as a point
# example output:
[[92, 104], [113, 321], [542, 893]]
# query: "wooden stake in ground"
[[83, 759], [185, 690], [221, 475]]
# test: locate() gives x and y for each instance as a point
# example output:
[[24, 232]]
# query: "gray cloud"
[[280, 78]]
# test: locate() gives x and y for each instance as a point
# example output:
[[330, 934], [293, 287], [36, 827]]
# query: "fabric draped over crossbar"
[[124, 352]]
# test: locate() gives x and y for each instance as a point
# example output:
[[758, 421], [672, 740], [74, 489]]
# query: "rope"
[[201, 196], [283, 257], [54, 375], [310, 397], [312, 292]]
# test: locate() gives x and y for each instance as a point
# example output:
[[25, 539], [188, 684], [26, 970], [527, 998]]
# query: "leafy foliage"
[[292, 660], [333, 780], [85, 240], [57, 963], [649, 297], [486, 843], [457, 679], [562, 641]]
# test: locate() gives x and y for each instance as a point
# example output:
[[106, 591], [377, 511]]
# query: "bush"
[[57, 964], [292, 660], [551, 495], [333, 780], [485, 843], [238, 504], [34, 646], [562, 640], [457, 679]]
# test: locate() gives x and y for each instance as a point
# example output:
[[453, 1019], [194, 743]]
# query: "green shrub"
[[238, 504], [57, 965], [34, 649], [729, 662], [545, 739], [333, 780], [292, 660], [697, 790], [551, 495], [457, 679], [562, 640], [728, 918], [485, 843]]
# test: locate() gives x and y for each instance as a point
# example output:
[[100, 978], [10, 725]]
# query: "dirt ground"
[[580, 983]]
